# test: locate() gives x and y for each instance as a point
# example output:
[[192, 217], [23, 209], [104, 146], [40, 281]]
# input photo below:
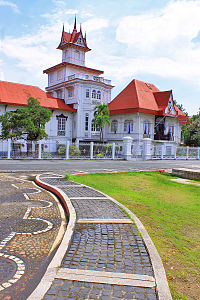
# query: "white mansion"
[[140, 111]]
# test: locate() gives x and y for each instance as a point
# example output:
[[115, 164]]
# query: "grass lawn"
[[170, 212]]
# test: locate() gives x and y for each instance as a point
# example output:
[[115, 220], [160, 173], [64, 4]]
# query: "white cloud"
[[13, 6], [162, 41]]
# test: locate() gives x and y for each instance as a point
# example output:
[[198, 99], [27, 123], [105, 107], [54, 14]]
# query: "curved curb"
[[51, 271], [162, 286]]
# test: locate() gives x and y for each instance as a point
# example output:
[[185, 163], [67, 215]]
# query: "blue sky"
[[154, 41]]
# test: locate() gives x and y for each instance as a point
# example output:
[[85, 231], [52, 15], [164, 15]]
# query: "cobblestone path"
[[30, 221], [107, 258]]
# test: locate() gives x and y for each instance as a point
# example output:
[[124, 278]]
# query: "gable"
[[170, 110]]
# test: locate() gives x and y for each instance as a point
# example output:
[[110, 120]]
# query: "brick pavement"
[[107, 258], [29, 224]]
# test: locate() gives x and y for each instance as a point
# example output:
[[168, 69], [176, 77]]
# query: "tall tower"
[[77, 84]]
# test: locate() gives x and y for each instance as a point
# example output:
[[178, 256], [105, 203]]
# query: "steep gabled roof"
[[71, 39], [139, 96], [18, 94]]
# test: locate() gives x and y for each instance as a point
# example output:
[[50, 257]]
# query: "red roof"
[[18, 94], [143, 97], [70, 39], [72, 65]]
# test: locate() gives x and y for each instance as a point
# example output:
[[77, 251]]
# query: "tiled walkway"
[[107, 258]]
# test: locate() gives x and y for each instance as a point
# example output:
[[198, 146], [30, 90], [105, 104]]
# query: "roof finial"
[[80, 28], [63, 27], [75, 23]]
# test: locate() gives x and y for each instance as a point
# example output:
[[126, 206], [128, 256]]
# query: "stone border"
[[51, 271], [133, 280], [163, 290], [18, 274]]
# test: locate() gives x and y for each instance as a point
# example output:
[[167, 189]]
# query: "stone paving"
[[29, 224], [103, 248]]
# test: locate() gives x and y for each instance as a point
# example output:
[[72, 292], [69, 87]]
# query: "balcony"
[[163, 137], [88, 77]]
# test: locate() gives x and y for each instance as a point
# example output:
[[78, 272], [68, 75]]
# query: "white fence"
[[91, 150]]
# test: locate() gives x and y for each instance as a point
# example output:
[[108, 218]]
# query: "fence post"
[[67, 150], [187, 152], [39, 151], [113, 151], [9, 148], [175, 152], [127, 142], [162, 151], [198, 150], [91, 150], [147, 148]]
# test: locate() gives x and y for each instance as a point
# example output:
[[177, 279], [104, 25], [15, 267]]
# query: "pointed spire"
[[75, 23], [63, 28], [80, 29], [85, 36]]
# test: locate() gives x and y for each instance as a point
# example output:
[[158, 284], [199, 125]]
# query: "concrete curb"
[[51, 271], [162, 286]]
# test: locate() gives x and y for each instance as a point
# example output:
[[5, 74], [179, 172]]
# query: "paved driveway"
[[78, 166], [30, 223]]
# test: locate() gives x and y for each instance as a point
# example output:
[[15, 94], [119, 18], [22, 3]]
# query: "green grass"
[[170, 212]]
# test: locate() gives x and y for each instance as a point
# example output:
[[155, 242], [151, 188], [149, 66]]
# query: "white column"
[[113, 151], [9, 148], [175, 152], [127, 143], [67, 150], [147, 148], [198, 151], [187, 152], [91, 150], [39, 151]]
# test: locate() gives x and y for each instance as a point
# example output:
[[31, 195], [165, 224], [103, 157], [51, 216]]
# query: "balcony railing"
[[88, 77], [163, 137]]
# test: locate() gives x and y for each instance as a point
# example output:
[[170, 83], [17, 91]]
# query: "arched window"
[[128, 126], [94, 94], [98, 95], [77, 55], [114, 126], [70, 93]]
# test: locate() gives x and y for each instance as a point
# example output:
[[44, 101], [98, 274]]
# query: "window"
[[171, 130], [114, 126], [86, 121], [94, 127], [70, 93], [147, 129], [87, 93], [61, 126], [51, 75], [128, 126], [60, 74], [77, 55], [98, 95], [59, 94], [94, 94]]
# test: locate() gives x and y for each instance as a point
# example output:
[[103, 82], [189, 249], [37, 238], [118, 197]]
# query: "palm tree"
[[101, 117]]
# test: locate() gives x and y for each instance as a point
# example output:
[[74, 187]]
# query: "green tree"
[[26, 122], [192, 131], [101, 118]]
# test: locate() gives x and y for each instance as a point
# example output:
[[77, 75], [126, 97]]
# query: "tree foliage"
[[192, 131], [101, 118], [26, 122]]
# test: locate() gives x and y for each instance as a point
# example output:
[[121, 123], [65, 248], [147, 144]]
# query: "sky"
[[154, 41]]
